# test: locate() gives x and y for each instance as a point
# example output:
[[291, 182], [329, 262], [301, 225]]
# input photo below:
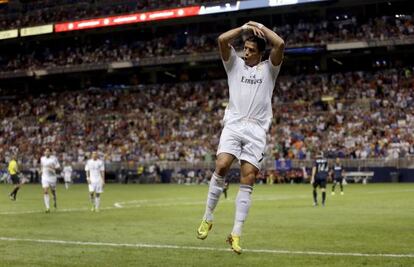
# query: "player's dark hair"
[[260, 42]]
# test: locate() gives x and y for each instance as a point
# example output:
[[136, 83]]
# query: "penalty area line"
[[176, 247]]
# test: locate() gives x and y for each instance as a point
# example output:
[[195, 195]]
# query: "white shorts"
[[96, 187], [46, 183], [67, 179], [245, 140]]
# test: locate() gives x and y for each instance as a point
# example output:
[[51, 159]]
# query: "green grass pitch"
[[154, 225]]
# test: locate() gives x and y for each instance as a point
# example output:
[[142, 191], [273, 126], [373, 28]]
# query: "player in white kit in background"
[[95, 175], [49, 165], [67, 174], [247, 119]]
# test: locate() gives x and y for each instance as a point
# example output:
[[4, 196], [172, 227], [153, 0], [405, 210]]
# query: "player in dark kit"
[[320, 173], [337, 176]]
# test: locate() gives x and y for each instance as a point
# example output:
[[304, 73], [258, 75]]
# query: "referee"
[[14, 171]]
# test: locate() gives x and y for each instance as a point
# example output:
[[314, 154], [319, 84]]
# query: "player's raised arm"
[[225, 39], [277, 43]]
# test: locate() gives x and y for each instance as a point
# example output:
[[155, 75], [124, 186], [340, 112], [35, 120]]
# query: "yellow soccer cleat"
[[234, 242], [202, 231]]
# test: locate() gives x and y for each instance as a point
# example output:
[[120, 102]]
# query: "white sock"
[[243, 202], [97, 202], [214, 191], [46, 200], [66, 185]]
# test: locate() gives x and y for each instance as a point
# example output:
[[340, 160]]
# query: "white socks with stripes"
[[46, 200], [243, 202], [97, 202], [214, 192]]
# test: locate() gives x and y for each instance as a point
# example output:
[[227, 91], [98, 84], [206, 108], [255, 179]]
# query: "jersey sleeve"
[[232, 61], [87, 166], [273, 70], [102, 167]]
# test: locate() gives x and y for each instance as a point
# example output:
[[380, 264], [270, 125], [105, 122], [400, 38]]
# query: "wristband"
[[244, 27]]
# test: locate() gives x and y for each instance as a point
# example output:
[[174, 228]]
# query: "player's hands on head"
[[255, 24], [255, 28]]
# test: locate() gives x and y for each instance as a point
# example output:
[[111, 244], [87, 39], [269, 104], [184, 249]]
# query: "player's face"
[[47, 152], [337, 160], [94, 155], [252, 56]]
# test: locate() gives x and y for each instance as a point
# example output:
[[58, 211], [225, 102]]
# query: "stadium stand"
[[107, 49], [33, 13], [354, 102], [364, 119]]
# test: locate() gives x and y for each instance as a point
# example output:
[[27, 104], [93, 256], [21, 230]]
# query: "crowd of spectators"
[[348, 28], [350, 115], [160, 122], [365, 115], [107, 50], [43, 12], [187, 43]]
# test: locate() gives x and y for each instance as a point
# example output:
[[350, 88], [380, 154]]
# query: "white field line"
[[174, 202], [149, 203], [176, 247]]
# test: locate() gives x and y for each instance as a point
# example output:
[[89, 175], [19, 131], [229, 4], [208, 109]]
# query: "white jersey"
[[250, 90], [95, 167], [49, 166], [67, 172]]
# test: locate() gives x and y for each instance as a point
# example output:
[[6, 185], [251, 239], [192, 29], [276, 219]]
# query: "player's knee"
[[248, 179], [222, 167]]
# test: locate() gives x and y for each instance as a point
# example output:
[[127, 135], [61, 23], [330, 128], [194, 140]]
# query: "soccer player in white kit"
[[67, 174], [95, 175], [247, 119], [49, 165]]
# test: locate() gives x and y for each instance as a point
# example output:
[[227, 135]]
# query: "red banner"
[[127, 19]]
